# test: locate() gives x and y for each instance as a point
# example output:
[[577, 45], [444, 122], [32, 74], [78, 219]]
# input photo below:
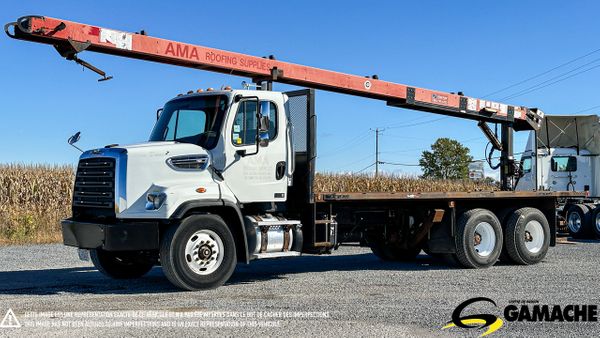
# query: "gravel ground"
[[350, 292]]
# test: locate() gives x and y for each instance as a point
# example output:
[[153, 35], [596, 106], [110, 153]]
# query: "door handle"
[[280, 170]]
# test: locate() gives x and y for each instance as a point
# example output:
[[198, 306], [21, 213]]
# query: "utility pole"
[[377, 162]]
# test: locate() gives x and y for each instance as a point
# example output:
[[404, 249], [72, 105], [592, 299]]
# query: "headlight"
[[155, 200], [188, 162]]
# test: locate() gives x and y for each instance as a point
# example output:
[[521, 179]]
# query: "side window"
[[526, 163], [564, 163], [245, 123]]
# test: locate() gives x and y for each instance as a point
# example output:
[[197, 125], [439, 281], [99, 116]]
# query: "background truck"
[[227, 175], [563, 155]]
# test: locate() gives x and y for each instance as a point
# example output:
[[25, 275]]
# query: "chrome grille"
[[95, 183]]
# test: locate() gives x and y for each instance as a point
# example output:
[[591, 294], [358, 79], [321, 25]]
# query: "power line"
[[345, 146], [587, 109], [356, 161], [540, 85], [551, 83], [462, 162], [365, 168], [401, 164], [542, 73], [408, 121], [418, 123]]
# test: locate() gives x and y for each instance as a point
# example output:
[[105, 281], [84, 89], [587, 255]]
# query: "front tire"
[[478, 239], [199, 253], [121, 265], [527, 236]]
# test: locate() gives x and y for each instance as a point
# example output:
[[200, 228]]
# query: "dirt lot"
[[52, 293]]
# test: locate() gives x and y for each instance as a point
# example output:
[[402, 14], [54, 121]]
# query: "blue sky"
[[476, 47]]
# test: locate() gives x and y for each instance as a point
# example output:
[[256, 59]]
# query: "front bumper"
[[111, 237]]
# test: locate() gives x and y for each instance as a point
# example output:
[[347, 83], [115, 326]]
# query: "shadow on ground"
[[87, 280]]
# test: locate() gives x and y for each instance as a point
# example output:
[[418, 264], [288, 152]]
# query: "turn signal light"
[[209, 89], [199, 91], [227, 88], [201, 190]]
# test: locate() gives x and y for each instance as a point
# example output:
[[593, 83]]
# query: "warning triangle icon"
[[10, 320]]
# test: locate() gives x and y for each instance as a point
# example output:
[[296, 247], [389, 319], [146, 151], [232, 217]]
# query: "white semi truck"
[[227, 175], [564, 155]]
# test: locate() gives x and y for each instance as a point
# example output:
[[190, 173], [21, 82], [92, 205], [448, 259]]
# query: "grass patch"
[[33, 200]]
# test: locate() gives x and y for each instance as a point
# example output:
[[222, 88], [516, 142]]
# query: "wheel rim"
[[597, 223], [485, 239], [574, 222], [534, 236], [204, 252]]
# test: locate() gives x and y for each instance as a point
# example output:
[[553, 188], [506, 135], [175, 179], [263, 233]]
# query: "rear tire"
[[121, 265], [199, 253], [527, 236], [596, 222], [478, 239], [387, 252], [579, 220], [503, 216]]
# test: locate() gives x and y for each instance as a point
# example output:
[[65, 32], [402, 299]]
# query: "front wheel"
[[199, 253], [121, 265]]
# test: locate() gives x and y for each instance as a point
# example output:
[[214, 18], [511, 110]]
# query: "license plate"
[[83, 254]]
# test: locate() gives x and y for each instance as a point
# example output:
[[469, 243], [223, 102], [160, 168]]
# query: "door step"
[[276, 254]]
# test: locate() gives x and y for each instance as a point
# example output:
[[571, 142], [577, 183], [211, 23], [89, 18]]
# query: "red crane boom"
[[70, 38]]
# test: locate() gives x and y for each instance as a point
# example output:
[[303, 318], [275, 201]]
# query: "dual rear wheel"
[[522, 236], [583, 220]]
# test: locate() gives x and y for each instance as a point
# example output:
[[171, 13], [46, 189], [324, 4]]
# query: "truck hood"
[[164, 147], [142, 168]]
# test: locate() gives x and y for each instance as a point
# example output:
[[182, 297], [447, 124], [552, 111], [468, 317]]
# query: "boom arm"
[[70, 38]]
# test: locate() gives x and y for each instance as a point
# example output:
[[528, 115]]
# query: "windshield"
[[195, 120]]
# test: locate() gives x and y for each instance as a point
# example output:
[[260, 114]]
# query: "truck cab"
[[562, 155], [209, 188]]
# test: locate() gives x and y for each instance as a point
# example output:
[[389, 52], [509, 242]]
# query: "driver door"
[[256, 177]]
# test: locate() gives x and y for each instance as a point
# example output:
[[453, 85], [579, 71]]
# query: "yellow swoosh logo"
[[491, 329]]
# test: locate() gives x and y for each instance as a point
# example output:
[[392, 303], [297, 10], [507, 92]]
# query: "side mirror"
[[572, 164], [158, 112], [264, 123], [74, 139]]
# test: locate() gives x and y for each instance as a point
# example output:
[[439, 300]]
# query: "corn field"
[[331, 182], [33, 200]]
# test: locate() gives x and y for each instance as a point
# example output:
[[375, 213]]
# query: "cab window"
[[564, 163], [526, 163], [245, 123]]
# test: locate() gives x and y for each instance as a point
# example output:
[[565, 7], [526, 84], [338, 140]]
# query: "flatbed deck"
[[364, 196]]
